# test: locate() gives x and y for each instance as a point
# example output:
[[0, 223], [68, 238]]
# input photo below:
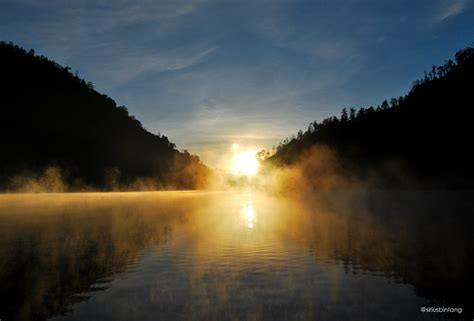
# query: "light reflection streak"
[[248, 212]]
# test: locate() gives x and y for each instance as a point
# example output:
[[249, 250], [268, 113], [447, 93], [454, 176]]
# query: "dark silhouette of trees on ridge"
[[428, 131], [51, 117]]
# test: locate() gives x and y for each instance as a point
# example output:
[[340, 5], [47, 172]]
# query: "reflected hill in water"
[[223, 256], [55, 246], [419, 238]]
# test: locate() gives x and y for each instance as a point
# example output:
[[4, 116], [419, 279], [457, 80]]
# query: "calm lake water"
[[236, 256]]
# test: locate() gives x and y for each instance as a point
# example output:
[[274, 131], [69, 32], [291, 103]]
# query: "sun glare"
[[244, 162]]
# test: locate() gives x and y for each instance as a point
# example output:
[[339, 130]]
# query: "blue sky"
[[210, 73]]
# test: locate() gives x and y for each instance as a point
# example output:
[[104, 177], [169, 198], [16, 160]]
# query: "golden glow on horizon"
[[244, 162]]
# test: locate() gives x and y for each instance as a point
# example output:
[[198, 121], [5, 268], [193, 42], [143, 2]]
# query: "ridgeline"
[[49, 117], [425, 135]]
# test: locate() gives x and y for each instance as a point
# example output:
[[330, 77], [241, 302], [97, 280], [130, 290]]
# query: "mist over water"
[[237, 255]]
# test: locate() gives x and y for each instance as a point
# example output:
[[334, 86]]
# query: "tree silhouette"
[[428, 131], [51, 117]]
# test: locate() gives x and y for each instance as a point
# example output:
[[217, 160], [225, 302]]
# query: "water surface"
[[341, 255]]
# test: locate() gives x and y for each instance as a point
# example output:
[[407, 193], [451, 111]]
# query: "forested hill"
[[51, 117], [428, 133]]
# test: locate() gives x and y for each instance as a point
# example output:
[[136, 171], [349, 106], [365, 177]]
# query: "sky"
[[212, 73]]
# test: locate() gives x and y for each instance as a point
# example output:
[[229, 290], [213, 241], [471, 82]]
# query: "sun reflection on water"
[[248, 212]]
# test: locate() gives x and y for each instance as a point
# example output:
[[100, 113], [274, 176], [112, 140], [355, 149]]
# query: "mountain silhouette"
[[428, 132], [51, 117]]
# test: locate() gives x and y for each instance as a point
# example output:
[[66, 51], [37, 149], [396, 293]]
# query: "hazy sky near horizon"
[[209, 73]]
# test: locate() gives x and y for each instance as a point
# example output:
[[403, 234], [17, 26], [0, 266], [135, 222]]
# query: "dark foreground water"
[[236, 256]]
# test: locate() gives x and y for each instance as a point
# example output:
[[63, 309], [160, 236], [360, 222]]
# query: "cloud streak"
[[451, 8], [128, 64]]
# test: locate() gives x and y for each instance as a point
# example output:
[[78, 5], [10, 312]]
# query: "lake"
[[333, 255]]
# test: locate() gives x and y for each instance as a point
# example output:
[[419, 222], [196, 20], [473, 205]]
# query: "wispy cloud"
[[98, 34], [128, 64], [75, 22], [120, 10], [451, 8]]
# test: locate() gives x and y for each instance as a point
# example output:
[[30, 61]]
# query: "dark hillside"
[[51, 117], [428, 132]]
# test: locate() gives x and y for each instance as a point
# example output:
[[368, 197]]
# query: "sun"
[[244, 162]]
